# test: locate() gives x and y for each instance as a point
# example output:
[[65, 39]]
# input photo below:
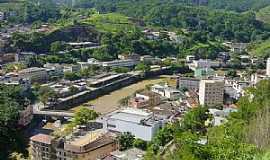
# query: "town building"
[[237, 88], [204, 73], [121, 63], [172, 93], [211, 92], [203, 63], [257, 77], [2, 16], [268, 67], [236, 47], [78, 45], [144, 99], [130, 154], [166, 91], [220, 116], [82, 144], [189, 83], [34, 74], [140, 123], [71, 68], [24, 56], [129, 56], [190, 58], [150, 59], [41, 147], [54, 70], [7, 58]]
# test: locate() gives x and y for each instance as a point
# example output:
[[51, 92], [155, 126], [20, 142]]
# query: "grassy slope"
[[264, 14], [111, 22], [261, 49]]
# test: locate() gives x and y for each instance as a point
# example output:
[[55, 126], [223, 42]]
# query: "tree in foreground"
[[84, 115], [126, 140]]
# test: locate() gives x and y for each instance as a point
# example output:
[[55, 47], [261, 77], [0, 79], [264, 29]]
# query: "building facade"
[[80, 145], [211, 92], [34, 74], [189, 83], [268, 67], [138, 122]]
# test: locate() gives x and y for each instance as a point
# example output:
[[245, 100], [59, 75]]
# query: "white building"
[[190, 58], [121, 63], [72, 68], [171, 93], [150, 60], [255, 78], [268, 67], [2, 16], [54, 69], [203, 63], [189, 83], [159, 89], [211, 92], [236, 47], [34, 74], [166, 91], [138, 122]]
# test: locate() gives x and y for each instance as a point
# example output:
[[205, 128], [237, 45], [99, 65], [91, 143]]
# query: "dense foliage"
[[12, 100]]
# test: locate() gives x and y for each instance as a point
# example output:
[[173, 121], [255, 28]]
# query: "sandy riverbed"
[[109, 102]]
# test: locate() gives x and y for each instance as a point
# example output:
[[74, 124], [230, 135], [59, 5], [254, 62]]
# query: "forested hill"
[[232, 5], [242, 27], [238, 5]]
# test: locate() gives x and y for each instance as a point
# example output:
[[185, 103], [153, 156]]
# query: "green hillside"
[[261, 49], [111, 22], [264, 14]]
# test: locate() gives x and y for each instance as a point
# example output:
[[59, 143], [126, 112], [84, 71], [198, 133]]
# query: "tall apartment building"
[[211, 92], [268, 67]]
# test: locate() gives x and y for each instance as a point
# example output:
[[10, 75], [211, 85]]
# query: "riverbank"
[[109, 102]]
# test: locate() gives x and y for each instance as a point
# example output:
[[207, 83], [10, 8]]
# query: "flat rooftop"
[[131, 115], [42, 138], [86, 139]]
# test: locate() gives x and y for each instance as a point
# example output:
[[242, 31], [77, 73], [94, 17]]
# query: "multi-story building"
[[236, 47], [34, 74], [7, 58], [204, 73], [129, 56], [41, 147], [150, 59], [211, 92], [90, 145], [80, 145], [121, 63], [54, 70], [189, 83], [166, 91], [268, 67], [23, 56], [172, 93], [140, 123], [72, 68]]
